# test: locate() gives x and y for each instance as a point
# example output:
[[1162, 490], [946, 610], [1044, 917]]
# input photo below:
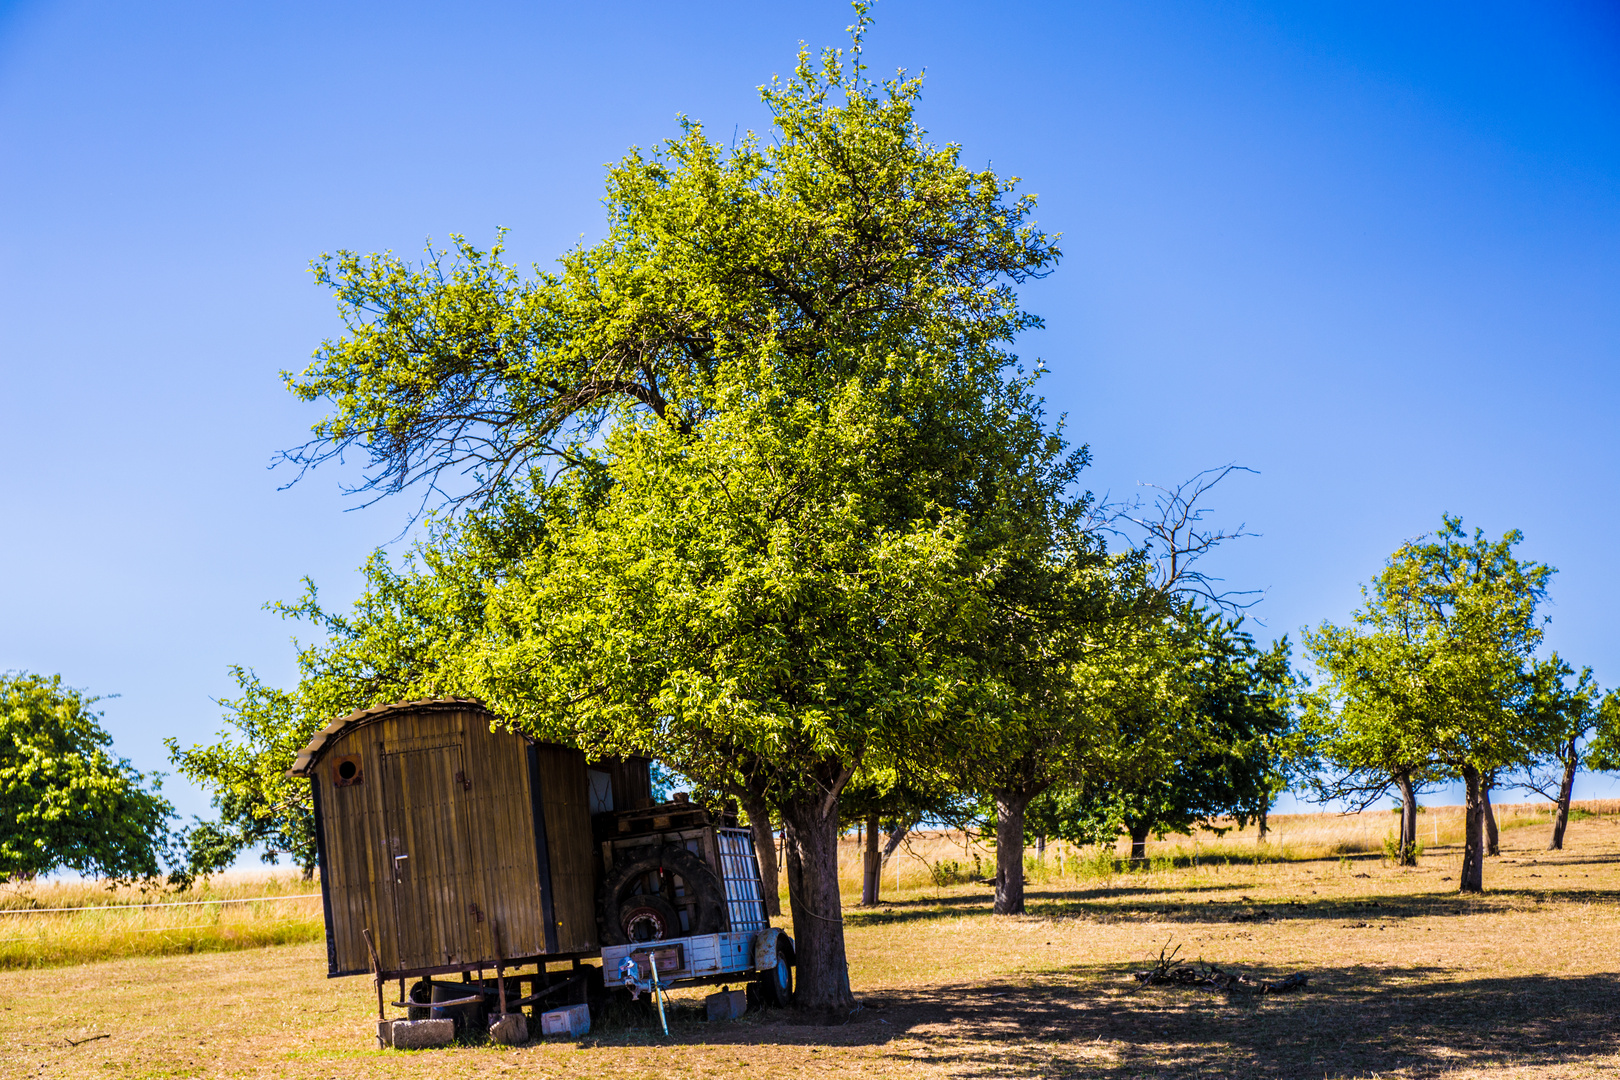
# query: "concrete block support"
[[421, 1034]]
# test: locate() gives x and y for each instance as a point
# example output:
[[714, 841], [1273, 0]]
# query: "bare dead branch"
[[1174, 532]]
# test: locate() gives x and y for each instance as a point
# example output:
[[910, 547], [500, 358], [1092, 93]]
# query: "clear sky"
[[1371, 250]]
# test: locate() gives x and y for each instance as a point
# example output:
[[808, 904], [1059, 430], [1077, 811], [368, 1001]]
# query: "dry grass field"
[[1407, 979], [240, 910]]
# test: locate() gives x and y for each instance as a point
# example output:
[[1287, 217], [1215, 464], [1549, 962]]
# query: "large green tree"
[[1437, 670], [65, 801], [769, 459]]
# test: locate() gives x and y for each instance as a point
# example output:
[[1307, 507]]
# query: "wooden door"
[[438, 911]]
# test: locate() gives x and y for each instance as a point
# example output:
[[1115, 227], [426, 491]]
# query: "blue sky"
[[1370, 250]]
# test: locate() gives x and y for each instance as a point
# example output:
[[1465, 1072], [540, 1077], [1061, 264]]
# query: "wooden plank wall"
[[434, 899], [565, 796], [439, 787], [502, 848], [355, 842], [632, 781]]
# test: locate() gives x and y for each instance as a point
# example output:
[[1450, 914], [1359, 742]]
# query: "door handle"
[[397, 860]]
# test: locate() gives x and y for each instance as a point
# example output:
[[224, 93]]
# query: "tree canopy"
[[1437, 671], [65, 801], [1202, 733], [741, 485]]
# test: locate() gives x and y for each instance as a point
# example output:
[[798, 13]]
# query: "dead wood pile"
[[1171, 972]]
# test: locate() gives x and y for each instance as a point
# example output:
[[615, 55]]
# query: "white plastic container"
[[573, 1021]]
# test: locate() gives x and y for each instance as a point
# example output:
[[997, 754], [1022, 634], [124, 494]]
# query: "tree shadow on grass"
[[1282, 909], [1557, 859], [1352, 1021], [1116, 904], [1048, 902]]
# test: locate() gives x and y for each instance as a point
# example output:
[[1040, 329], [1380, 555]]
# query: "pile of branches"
[[1169, 971]]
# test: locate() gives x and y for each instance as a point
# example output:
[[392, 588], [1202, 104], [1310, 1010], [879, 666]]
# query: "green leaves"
[[1437, 672], [65, 801], [1202, 719], [845, 247]]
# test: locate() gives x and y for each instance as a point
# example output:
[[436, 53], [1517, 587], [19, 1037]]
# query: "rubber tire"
[[702, 885], [776, 985], [651, 904], [420, 992]]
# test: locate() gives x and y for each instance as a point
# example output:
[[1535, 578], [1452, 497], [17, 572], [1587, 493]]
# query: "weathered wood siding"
[[565, 803], [503, 843], [631, 779], [435, 848]]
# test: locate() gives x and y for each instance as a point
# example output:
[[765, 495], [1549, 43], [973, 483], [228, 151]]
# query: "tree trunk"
[[1010, 852], [1471, 879], [1265, 827], [1139, 833], [1566, 791], [810, 828], [1492, 844], [871, 865], [1408, 850], [901, 830], [759, 819]]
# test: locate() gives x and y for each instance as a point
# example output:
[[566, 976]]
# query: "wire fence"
[[168, 903]]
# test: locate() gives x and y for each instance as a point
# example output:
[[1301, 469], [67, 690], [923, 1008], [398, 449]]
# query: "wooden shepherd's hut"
[[457, 845]]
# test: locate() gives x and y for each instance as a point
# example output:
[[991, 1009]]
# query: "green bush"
[[1392, 846], [948, 872]]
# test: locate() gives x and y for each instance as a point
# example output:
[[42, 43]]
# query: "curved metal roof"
[[306, 757]]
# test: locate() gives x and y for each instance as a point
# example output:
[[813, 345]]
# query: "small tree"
[[1437, 672], [1060, 655], [1210, 741], [1576, 713], [1357, 725], [888, 804], [65, 801], [1603, 752]]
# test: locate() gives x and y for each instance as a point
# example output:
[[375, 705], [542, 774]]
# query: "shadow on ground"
[[1144, 904], [1414, 1022]]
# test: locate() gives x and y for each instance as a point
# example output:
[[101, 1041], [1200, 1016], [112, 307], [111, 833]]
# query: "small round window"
[[346, 771]]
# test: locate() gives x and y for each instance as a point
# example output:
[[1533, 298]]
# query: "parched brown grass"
[[1408, 979]]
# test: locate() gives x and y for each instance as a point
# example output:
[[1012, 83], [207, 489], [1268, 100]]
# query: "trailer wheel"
[[776, 985], [648, 918], [624, 912]]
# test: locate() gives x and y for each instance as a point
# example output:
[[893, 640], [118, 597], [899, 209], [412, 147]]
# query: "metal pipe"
[[658, 992]]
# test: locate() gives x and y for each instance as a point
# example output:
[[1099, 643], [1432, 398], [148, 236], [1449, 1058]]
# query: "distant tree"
[[1603, 752], [887, 804], [1356, 729], [1437, 671], [1238, 718], [65, 801], [1577, 714], [1222, 722]]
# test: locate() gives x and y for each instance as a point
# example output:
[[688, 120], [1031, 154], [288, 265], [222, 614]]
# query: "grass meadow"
[[239, 910], [1408, 979]]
